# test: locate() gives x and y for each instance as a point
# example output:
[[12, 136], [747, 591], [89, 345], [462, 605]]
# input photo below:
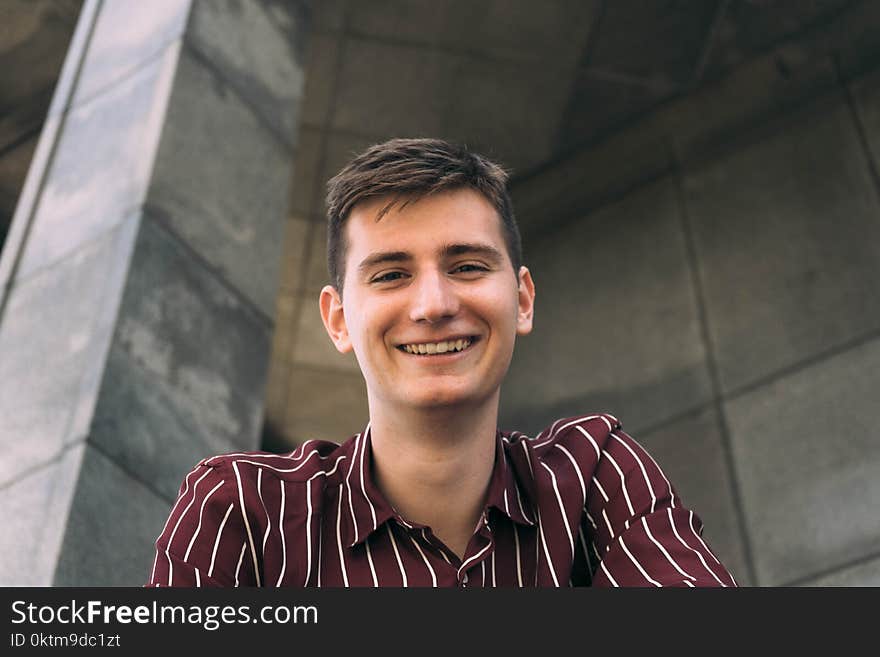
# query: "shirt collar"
[[504, 492], [367, 508]]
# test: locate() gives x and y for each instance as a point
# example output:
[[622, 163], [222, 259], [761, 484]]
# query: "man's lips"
[[448, 346]]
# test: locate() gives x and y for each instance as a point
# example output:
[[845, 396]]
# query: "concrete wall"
[[139, 277], [724, 304], [33, 41]]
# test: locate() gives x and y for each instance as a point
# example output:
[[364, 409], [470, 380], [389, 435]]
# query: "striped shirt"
[[580, 504]]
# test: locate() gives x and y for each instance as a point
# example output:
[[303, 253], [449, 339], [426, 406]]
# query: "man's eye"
[[468, 268], [387, 278]]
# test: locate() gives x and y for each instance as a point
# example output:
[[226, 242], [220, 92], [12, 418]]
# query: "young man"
[[429, 292]]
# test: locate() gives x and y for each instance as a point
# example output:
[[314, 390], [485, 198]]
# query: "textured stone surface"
[[33, 42], [304, 195], [517, 30], [497, 102], [340, 148], [318, 275], [866, 92], [325, 405], [293, 255], [328, 14], [112, 527], [568, 188], [641, 54], [748, 28], [34, 513], [53, 340], [283, 336], [808, 461], [284, 331], [691, 454], [101, 165], [788, 243], [322, 64], [397, 90], [221, 182], [650, 42], [616, 326], [127, 36], [259, 47], [13, 169], [187, 372], [864, 574], [313, 346]]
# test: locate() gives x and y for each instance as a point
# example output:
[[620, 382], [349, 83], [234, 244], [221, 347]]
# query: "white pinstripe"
[[364, 490], [518, 560], [577, 471], [637, 564], [663, 549], [608, 574], [543, 542], [592, 442], [553, 434], [357, 444], [240, 559], [283, 538], [396, 554], [177, 524], [622, 482], [217, 540], [339, 538], [370, 561], [308, 532], [644, 472], [561, 507], [268, 519], [425, 559], [681, 540], [171, 515], [247, 524], [201, 514]]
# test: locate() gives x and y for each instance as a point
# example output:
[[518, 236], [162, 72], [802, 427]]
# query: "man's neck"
[[434, 467]]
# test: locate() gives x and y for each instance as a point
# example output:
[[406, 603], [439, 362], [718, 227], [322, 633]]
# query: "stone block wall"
[[724, 305], [139, 277]]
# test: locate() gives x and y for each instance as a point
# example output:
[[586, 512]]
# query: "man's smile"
[[451, 346]]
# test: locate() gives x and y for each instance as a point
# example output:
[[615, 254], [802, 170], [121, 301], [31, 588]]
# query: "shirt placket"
[[479, 550]]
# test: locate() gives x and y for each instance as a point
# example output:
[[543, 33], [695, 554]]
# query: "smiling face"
[[431, 304]]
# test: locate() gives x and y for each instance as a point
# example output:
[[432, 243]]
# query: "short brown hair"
[[411, 169]]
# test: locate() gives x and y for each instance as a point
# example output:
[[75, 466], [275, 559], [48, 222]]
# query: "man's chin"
[[448, 401]]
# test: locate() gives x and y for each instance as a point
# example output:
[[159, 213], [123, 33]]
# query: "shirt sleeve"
[[642, 534], [204, 542]]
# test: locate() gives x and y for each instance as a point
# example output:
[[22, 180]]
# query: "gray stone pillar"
[[139, 277]]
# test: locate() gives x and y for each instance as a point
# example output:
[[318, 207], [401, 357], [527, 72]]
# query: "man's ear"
[[526, 305], [334, 318]]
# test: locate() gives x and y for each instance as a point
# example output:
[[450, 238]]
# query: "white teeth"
[[437, 347]]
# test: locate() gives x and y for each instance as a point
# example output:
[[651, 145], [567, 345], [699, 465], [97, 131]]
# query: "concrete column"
[[139, 277]]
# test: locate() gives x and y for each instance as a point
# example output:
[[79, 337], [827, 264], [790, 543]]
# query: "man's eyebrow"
[[448, 251], [382, 257], [483, 250]]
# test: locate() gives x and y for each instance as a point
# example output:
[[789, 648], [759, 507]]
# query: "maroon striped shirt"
[[581, 504]]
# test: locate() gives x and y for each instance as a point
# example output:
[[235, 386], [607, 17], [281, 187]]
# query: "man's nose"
[[435, 298]]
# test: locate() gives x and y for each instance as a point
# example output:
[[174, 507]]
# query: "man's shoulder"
[[596, 428], [311, 459]]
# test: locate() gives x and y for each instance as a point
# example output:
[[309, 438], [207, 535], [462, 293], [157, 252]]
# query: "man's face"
[[431, 305]]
